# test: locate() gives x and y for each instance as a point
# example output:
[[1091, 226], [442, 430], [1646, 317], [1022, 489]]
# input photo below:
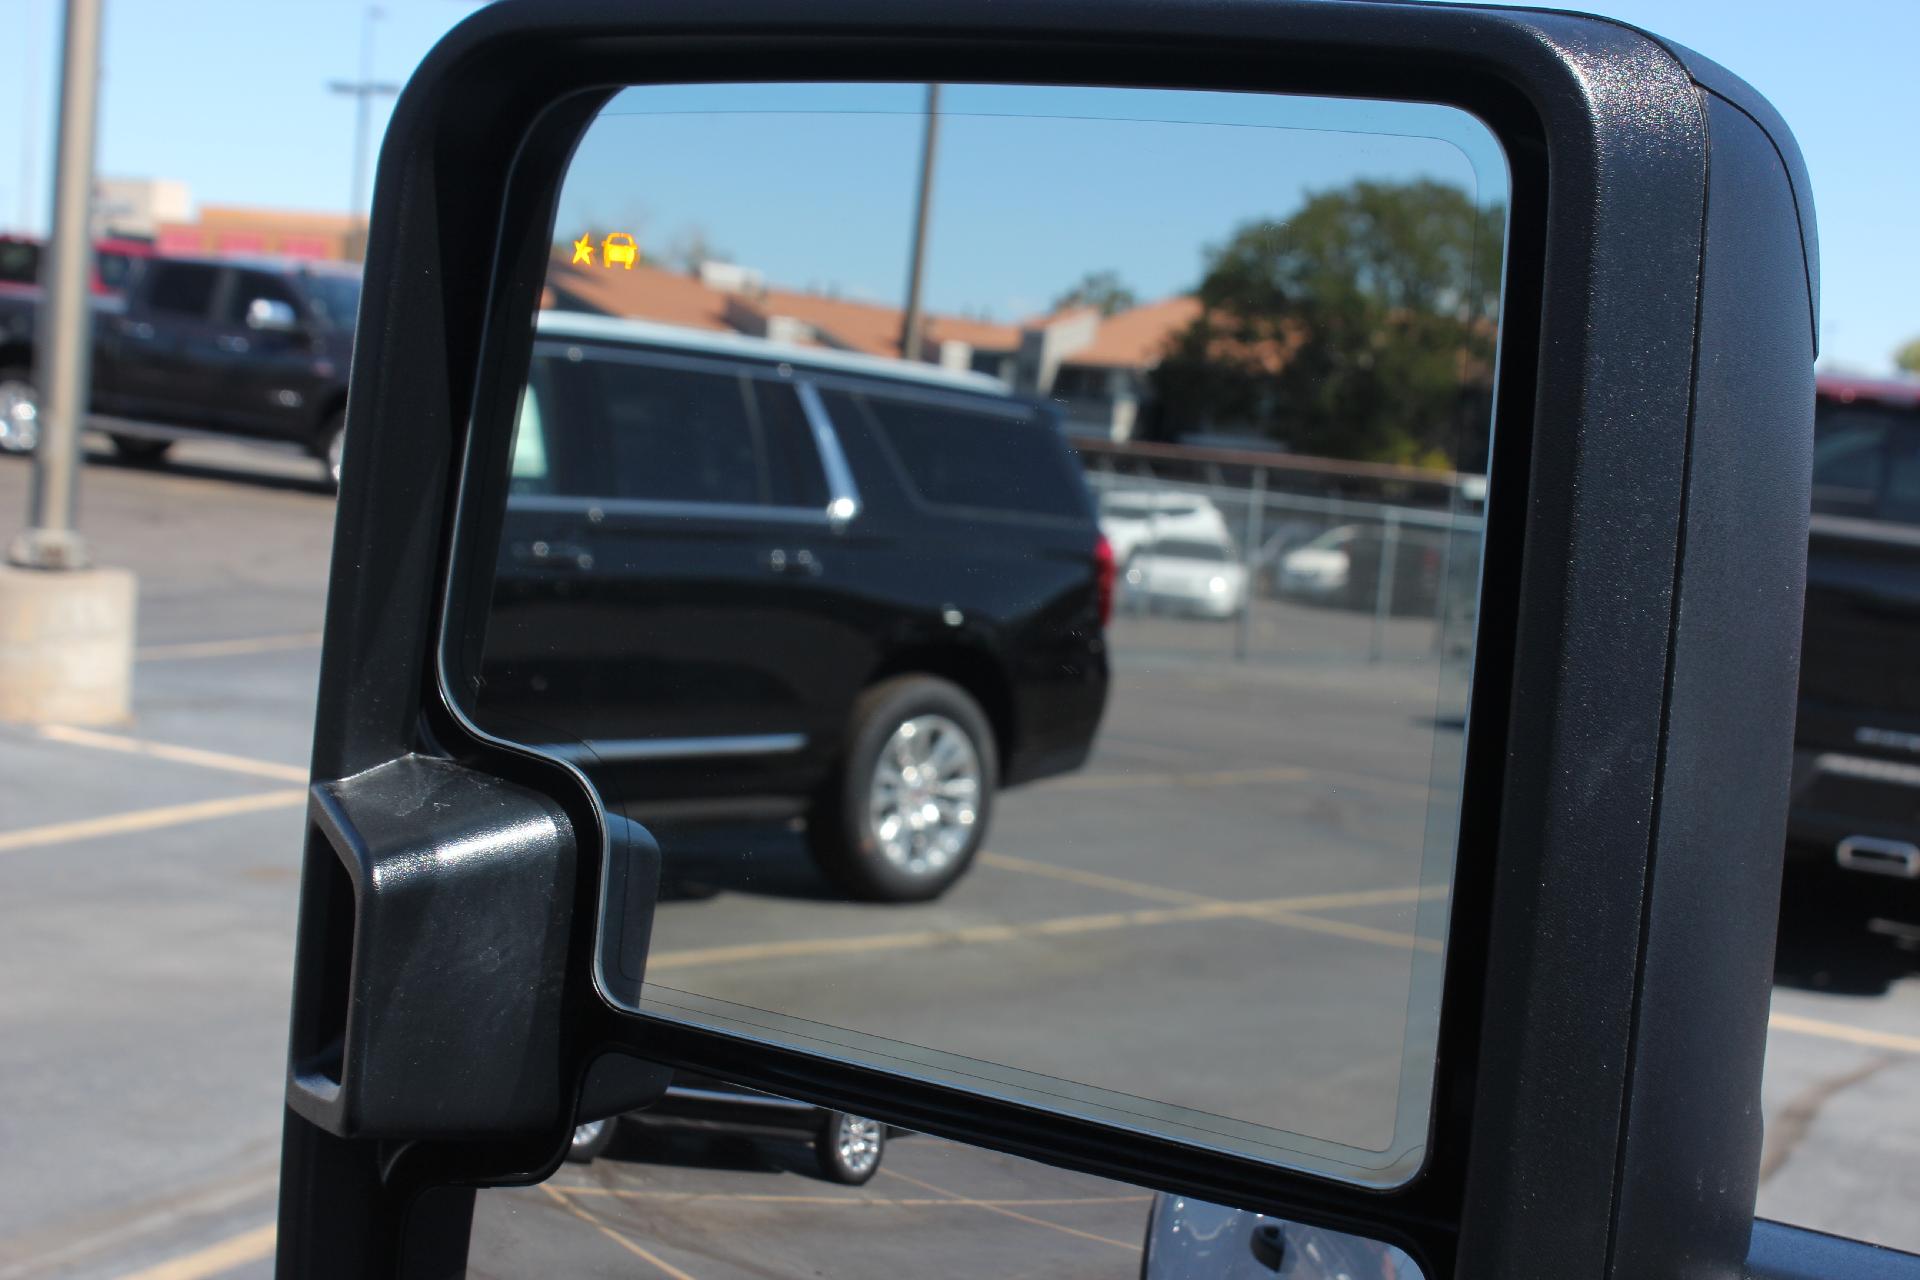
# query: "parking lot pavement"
[[148, 876]]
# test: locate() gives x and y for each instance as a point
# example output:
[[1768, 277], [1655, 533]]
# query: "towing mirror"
[[803, 610]]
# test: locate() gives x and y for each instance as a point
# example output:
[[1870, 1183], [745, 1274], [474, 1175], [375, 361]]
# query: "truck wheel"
[[907, 806], [849, 1148], [140, 451], [19, 411], [590, 1140]]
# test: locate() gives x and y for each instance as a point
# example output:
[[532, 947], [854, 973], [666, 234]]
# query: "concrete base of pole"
[[66, 646]]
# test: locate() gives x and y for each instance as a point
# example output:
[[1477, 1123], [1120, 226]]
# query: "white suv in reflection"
[[1188, 575], [1134, 518]]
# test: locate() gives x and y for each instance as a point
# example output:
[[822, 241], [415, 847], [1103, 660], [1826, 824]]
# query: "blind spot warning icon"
[[620, 251]]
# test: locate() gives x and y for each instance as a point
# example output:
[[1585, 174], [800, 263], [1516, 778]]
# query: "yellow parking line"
[[851, 1201], [175, 754], [1354, 932], [1841, 1031], [1158, 893], [227, 648], [248, 1246], [171, 815], [619, 1238], [1272, 910], [1230, 778], [1092, 879], [991, 1207], [1221, 778]]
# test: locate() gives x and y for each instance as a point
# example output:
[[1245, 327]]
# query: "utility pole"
[[363, 91], [68, 655], [910, 326], [50, 540]]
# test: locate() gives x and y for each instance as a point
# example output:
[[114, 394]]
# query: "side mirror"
[[271, 315], [1534, 767]]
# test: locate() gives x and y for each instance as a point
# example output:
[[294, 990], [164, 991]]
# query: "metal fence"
[[1410, 567]]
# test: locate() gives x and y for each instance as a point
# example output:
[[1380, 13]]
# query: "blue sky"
[[1036, 187], [230, 96]]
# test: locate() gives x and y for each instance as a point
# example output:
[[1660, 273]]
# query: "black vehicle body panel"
[[693, 656], [1596, 1089], [160, 373], [1857, 739], [695, 1101]]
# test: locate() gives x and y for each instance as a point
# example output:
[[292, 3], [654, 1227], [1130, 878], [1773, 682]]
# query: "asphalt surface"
[[147, 888]]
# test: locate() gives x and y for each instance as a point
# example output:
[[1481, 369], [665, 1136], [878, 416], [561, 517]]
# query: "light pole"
[[910, 326], [363, 91], [50, 540], [66, 628]]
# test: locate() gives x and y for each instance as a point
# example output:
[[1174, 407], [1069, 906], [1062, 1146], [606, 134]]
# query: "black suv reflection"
[[748, 580]]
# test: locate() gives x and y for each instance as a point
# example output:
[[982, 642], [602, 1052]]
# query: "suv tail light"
[[1103, 577]]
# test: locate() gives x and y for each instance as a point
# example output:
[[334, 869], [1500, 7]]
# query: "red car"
[[20, 263]]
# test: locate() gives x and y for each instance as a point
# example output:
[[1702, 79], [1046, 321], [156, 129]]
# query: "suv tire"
[[908, 804], [591, 1139], [17, 391], [848, 1148]]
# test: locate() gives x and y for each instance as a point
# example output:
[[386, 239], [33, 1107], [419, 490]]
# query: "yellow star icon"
[[583, 251]]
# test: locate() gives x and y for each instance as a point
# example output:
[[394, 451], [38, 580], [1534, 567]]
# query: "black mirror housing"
[[1608, 964]]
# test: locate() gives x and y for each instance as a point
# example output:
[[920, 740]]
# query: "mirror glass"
[[721, 1182], [1017, 550]]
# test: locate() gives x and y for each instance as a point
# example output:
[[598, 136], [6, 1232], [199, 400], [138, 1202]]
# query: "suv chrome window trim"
[[572, 327], [597, 509], [759, 744], [843, 496], [1016, 411], [1007, 406]]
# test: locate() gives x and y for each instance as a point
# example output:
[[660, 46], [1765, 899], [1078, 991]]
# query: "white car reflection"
[[1134, 518], [1186, 575], [1319, 569]]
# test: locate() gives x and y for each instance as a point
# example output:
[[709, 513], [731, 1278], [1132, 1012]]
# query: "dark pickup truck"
[[256, 350], [1856, 783]]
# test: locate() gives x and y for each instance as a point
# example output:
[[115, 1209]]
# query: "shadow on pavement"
[[285, 476], [765, 1155], [1846, 935], [767, 860]]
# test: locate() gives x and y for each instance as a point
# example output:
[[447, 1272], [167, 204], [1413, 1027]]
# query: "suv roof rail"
[[599, 328]]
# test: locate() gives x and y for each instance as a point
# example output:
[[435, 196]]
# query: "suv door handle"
[[558, 554], [231, 342], [137, 329], [802, 562]]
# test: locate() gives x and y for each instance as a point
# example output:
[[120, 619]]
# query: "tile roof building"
[[1095, 369]]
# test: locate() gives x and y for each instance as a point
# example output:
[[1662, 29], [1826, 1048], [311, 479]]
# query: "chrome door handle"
[[559, 554], [802, 562]]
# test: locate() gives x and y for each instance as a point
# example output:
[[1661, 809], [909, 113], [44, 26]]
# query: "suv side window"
[[531, 469], [957, 457], [794, 474], [674, 435], [1902, 500], [691, 435], [247, 286], [182, 288]]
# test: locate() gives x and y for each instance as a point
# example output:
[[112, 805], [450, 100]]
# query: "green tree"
[[1360, 327], [1104, 291], [1907, 358]]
